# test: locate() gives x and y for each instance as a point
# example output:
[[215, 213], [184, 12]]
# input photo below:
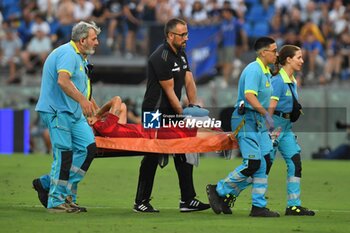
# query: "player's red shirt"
[[109, 127]]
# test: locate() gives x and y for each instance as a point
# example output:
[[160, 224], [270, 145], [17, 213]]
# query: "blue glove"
[[195, 111], [269, 122]]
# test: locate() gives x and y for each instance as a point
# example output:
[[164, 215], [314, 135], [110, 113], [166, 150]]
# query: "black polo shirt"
[[164, 64]]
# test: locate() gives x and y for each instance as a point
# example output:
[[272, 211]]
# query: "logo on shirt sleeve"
[[176, 67], [288, 93]]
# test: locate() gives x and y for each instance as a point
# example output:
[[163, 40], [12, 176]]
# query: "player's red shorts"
[[109, 127]]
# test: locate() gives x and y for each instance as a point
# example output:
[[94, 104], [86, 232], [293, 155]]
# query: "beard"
[[89, 51], [180, 47]]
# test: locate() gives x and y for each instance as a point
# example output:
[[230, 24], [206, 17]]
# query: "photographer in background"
[[341, 152]]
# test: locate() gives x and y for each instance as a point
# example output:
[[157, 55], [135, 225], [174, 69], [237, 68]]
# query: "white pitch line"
[[164, 208]]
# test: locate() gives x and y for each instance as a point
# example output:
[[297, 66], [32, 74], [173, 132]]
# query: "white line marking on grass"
[[164, 208], [40, 206]]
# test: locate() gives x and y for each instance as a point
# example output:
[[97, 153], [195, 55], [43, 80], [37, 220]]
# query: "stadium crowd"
[[30, 29]]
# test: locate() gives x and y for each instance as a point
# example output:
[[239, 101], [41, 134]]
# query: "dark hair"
[[171, 24], [276, 67], [285, 52], [263, 42]]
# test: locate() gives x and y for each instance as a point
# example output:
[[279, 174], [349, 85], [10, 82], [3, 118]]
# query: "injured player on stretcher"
[[110, 121]]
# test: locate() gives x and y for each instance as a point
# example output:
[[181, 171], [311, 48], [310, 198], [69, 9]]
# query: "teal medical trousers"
[[73, 146]]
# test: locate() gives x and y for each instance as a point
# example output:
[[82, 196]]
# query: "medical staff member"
[[63, 104], [249, 122], [281, 105]]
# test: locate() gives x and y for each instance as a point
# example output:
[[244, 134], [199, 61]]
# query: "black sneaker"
[[220, 204], [299, 211], [144, 207], [63, 208], [262, 212], [228, 203], [214, 200], [193, 205], [43, 195], [70, 202]]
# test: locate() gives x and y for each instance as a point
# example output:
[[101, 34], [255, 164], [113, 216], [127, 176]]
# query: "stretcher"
[[118, 147]]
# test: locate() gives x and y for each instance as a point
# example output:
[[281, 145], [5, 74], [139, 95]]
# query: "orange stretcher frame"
[[117, 147]]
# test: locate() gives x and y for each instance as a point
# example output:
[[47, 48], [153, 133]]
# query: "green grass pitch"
[[109, 187]]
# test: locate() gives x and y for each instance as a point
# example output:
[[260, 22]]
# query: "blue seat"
[[247, 27], [261, 29], [258, 13]]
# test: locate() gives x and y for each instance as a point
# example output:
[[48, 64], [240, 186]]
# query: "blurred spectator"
[[115, 22], [336, 16], [65, 16], [149, 19], [345, 53], [41, 24], [288, 5], [149, 11], [10, 47], [230, 29], [180, 9], [277, 29], [310, 27], [25, 26], [334, 59], [240, 8], [30, 5], [292, 37], [83, 10], [39, 129], [312, 13], [314, 56], [283, 20], [132, 11], [293, 20], [242, 43], [1, 30], [213, 10], [99, 13], [163, 11], [132, 115], [10, 9], [48, 8], [37, 51], [199, 15], [99, 16]]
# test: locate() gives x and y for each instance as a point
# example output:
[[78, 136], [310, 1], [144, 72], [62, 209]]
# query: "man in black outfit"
[[167, 72]]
